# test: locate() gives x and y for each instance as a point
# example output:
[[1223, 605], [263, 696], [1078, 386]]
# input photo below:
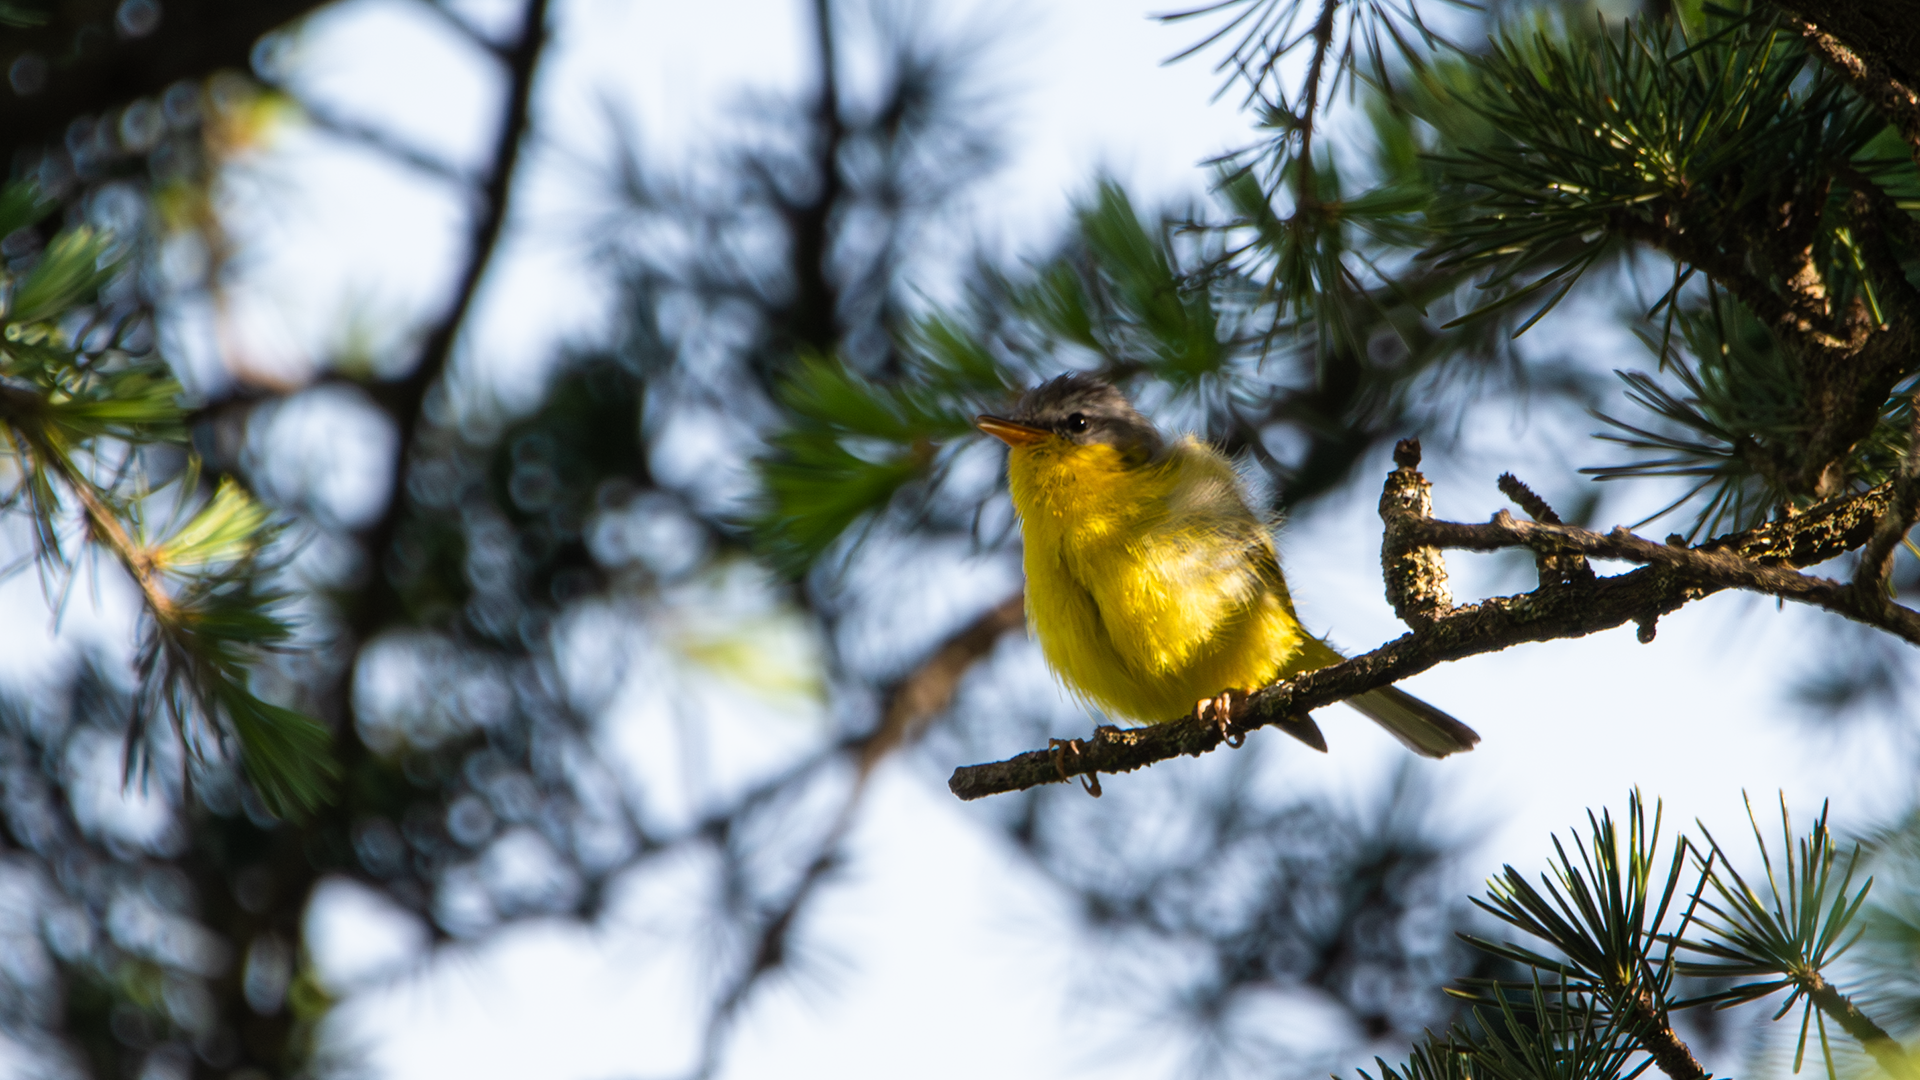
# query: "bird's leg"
[[1090, 783], [1220, 709]]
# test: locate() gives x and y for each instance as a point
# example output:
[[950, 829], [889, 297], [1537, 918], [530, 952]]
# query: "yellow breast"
[[1151, 585]]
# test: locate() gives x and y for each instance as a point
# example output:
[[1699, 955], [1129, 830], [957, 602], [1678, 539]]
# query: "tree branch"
[[1758, 560], [813, 313], [386, 144], [106, 526], [1653, 1030], [917, 698], [403, 399], [1894, 98], [1796, 318], [1702, 567], [928, 689], [1844, 362], [1553, 569], [1886, 1050], [1322, 45]]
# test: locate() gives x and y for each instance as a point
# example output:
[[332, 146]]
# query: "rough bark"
[[1888, 31]]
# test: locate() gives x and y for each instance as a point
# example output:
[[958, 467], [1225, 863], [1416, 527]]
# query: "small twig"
[[105, 525], [1653, 1030], [460, 25], [812, 315], [1524, 498], [387, 144], [1553, 569], [1322, 45], [1886, 1050]]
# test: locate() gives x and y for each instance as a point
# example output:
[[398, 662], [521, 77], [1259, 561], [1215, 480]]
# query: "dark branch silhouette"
[[404, 398], [388, 145]]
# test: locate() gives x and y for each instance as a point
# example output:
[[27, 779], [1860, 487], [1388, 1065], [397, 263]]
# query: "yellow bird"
[[1150, 582]]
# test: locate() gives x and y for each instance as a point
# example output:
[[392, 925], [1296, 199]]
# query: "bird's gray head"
[[1087, 410]]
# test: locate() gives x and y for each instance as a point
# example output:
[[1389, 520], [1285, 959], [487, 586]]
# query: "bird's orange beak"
[[1010, 432]]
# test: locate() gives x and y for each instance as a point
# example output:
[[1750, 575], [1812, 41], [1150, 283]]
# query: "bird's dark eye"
[[1077, 423]]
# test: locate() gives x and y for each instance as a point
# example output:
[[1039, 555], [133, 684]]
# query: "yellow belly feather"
[[1154, 586]]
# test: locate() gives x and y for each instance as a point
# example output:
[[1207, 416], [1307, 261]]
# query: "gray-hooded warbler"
[[1151, 584]]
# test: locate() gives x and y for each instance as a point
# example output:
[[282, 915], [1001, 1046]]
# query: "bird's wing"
[[1243, 540], [1215, 534], [1196, 559]]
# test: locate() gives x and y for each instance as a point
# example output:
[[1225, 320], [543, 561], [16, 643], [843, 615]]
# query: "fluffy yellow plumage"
[[1150, 582]]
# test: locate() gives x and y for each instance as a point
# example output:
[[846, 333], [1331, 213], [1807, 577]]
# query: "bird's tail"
[[1419, 726]]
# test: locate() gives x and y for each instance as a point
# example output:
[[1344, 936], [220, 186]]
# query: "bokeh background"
[[633, 829]]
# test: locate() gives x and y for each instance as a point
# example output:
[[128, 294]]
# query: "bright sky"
[[949, 958]]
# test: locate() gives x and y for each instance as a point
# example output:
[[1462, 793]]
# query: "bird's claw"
[[1089, 782], [1220, 711]]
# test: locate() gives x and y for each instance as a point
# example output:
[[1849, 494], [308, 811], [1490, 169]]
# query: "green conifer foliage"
[[83, 417]]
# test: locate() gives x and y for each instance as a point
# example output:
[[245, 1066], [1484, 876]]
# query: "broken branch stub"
[[1415, 576]]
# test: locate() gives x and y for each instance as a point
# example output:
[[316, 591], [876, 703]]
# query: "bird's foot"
[[1220, 711], [1090, 783]]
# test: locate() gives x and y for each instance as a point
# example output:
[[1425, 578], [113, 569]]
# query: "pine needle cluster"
[[91, 418], [1618, 930]]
